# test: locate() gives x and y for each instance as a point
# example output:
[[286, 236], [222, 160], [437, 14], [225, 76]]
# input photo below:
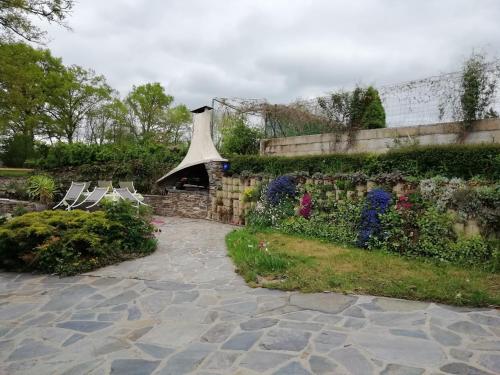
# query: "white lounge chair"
[[128, 185], [127, 195], [105, 184], [91, 200], [73, 194]]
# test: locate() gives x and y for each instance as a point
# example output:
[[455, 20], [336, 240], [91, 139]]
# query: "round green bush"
[[72, 242]]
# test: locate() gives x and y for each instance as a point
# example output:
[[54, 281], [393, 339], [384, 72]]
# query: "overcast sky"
[[275, 49]]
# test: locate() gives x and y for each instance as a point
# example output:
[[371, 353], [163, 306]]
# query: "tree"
[[16, 17], [373, 116], [25, 74], [361, 109], [477, 91], [337, 108], [108, 123], [176, 124], [16, 149], [238, 138], [148, 106], [75, 93]]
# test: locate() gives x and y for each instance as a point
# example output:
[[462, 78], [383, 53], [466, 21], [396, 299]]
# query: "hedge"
[[464, 161], [143, 163], [63, 155]]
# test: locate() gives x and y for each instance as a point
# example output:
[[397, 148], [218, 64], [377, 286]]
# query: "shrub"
[[41, 187], [488, 212], [377, 203], [399, 231], [441, 190], [16, 150], [71, 242], [461, 161], [470, 251], [340, 224], [240, 139], [267, 215], [361, 108], [252, 193], [435, 233], [374, 113], [142, 162], [281, 188]]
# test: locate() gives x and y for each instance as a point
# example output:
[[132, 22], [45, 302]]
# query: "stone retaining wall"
[[12, 187], [230, 206], [381, 140], [7, 206], [191, 204]]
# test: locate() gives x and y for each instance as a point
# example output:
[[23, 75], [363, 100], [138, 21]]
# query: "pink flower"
[[305, 206], [404, 203]]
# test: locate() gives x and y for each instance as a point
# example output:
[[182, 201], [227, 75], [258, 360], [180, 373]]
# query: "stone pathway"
[[184, 310]]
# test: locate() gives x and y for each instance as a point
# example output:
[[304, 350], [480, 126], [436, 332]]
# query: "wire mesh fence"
[[425, 101]]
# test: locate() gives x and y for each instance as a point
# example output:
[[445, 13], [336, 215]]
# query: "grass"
[[14, 172], [295, 263]]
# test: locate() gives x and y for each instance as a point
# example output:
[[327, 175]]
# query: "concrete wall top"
[[381, 140]]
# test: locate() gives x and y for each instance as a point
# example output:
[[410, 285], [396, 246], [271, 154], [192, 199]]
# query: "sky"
[[280, 50]]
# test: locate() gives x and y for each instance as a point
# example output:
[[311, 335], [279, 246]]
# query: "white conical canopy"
[[202, 149]]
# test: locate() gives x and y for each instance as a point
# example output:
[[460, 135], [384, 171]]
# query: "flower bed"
[[449, 220]]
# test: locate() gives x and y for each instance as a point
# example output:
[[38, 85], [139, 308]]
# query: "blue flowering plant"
[[377, 202], [281, 188], [276, 203]]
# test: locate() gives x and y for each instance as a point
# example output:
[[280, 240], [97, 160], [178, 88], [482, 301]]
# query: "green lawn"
[[14, 172], [295, 263]]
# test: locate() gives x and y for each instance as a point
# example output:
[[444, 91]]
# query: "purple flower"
[[280, 188], [377, 203]]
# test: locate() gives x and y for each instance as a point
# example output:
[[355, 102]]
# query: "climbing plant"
[[476, 92]]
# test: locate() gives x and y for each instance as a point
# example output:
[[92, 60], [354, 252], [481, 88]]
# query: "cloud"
[[279, 50]]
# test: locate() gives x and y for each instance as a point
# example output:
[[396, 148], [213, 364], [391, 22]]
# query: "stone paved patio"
[[184, 310]]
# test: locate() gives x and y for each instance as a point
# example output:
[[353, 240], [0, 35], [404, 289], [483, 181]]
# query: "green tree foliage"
[[152, 115], [75, 93], [42, 98], [148, 104], [108, 123], [374, 113], [360, 109], [477, 91], [16, 17], [239, 138], [175, 126], [15, 150], [25, 75]]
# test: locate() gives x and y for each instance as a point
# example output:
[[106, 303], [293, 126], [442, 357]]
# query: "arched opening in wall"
[[191, 178]]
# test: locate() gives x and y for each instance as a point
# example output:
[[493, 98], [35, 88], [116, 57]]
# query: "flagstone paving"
[[184, 310]]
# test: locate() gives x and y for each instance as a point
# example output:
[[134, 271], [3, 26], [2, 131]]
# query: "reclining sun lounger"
[[105, 184], [128, 196], [91, 200], [73, 194], [128, 185]]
